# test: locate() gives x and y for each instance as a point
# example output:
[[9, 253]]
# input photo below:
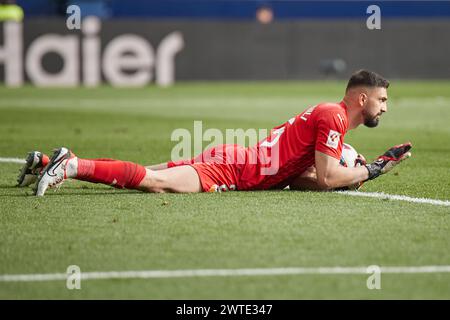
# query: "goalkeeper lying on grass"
[[303, 153]]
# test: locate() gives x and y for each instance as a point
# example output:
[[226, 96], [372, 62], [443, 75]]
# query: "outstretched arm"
[[331, 175], [308, 181]]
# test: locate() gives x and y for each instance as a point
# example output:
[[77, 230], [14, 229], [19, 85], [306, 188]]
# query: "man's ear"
[[362, 98]]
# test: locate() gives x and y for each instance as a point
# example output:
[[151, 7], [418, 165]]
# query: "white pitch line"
[[149, 274], [12, 160], [381, 195]]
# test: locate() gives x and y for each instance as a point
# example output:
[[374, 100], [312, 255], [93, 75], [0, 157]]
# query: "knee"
[[152, 183]]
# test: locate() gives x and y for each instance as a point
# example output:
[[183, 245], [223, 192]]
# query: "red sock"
[[102, 159], [119, 174], [45, 161]]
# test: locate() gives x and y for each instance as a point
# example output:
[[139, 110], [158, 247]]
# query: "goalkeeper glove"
[[360, 160], [388, 160]]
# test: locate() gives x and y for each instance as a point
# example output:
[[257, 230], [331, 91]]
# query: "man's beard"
[[371, 122]]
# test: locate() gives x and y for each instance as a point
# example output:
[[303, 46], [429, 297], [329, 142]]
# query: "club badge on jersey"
[[333, 139]]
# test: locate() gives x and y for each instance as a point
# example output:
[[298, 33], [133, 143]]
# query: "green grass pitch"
[[103, 229]]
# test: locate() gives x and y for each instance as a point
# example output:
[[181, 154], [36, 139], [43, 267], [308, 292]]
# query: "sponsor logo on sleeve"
[[333, 139]]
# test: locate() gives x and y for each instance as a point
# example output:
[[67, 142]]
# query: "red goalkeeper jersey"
[[277, 160], [290, 148]]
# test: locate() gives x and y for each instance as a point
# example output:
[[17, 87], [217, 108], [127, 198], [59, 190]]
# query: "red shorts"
[[216, 177], [217, 167]]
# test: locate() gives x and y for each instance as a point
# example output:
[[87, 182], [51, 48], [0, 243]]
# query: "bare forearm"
[[342, 177]]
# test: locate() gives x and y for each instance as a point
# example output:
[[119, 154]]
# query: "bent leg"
[[181, 179], [129, 175]]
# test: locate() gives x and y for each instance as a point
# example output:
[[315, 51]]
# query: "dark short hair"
[[366, 78]]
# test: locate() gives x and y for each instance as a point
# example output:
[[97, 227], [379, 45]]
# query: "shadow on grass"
[[51, 194], [75, 191]]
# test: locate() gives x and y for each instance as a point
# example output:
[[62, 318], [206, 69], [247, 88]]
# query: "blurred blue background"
[[246, 40], [232, 9]]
